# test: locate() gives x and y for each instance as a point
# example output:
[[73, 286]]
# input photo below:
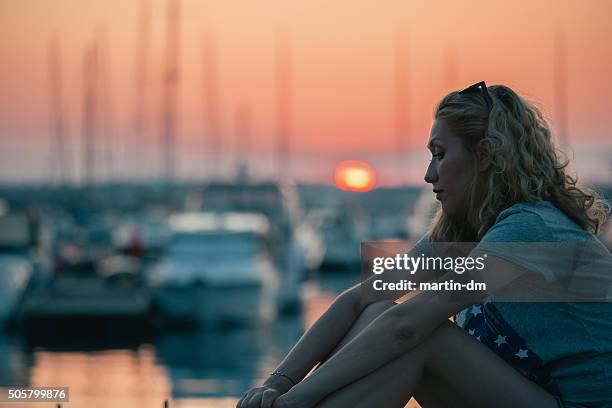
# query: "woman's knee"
[[443, 334], [377, 308], [368, 314]]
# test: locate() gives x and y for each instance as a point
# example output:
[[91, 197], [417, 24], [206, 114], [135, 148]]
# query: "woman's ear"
[[483, 155]]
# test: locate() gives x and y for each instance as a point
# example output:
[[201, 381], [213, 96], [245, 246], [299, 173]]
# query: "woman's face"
[[451, 169]]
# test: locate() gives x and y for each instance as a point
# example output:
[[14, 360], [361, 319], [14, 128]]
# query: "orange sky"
[[342, 69]]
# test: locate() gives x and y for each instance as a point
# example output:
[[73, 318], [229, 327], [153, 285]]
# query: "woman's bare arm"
[[393, 333], [314, 346], [322, 337], [318, 342], [383, 340]]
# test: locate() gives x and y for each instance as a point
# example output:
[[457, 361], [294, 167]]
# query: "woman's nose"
[[431, 176]]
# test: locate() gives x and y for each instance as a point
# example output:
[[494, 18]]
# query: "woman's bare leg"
[[428, 392], [449, 369], [434, 392]]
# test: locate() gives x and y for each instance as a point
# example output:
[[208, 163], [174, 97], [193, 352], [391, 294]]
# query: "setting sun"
[[354, 175]]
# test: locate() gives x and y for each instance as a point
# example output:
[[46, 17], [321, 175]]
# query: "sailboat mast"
[[402, 95], [284, 99], [89, 114], [211, 103], [141, 80], [106, 106], [170, 90], [58, 157]]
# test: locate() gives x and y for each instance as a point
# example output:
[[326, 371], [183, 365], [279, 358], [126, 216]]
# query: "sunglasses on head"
[[480, 87]]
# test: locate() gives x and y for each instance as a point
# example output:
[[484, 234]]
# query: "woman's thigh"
[[478, 375], [434, 392], [448, 366]]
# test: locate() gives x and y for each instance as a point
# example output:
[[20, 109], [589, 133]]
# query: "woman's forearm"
[[391, 334], [322, 337], [377, 344]]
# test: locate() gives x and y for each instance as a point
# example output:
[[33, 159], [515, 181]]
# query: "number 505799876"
[[50, 394]]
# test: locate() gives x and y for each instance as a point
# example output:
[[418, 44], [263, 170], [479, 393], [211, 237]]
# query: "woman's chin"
[[447, 209], [451, 210]]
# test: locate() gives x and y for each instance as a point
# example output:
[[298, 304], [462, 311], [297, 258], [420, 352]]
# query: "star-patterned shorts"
[[484, 322]]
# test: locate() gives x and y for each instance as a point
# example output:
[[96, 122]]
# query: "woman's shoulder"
[[537, 221], [544, 210]]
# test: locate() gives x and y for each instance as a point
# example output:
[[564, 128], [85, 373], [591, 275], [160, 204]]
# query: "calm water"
[[193, 369]]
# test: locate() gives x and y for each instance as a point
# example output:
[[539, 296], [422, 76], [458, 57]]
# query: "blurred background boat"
[[217, 269], [15, 273], [16, 266], [89, 301], [293, 245]]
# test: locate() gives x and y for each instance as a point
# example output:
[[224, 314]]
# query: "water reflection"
[[121, 378], [207, 368], [224, 363], [15, 362]]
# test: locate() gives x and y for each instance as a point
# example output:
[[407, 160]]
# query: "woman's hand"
[[264, 396], [295, 399], [259, 397]]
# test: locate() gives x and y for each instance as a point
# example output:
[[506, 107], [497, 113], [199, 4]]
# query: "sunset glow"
[[341, 61], [355, 176]]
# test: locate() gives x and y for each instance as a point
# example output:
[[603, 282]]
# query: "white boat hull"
[[206, 305]]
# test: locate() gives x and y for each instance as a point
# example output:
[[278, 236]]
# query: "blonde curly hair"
[[524, 165]]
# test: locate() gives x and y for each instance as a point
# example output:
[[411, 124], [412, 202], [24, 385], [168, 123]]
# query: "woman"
[[498, 179]]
